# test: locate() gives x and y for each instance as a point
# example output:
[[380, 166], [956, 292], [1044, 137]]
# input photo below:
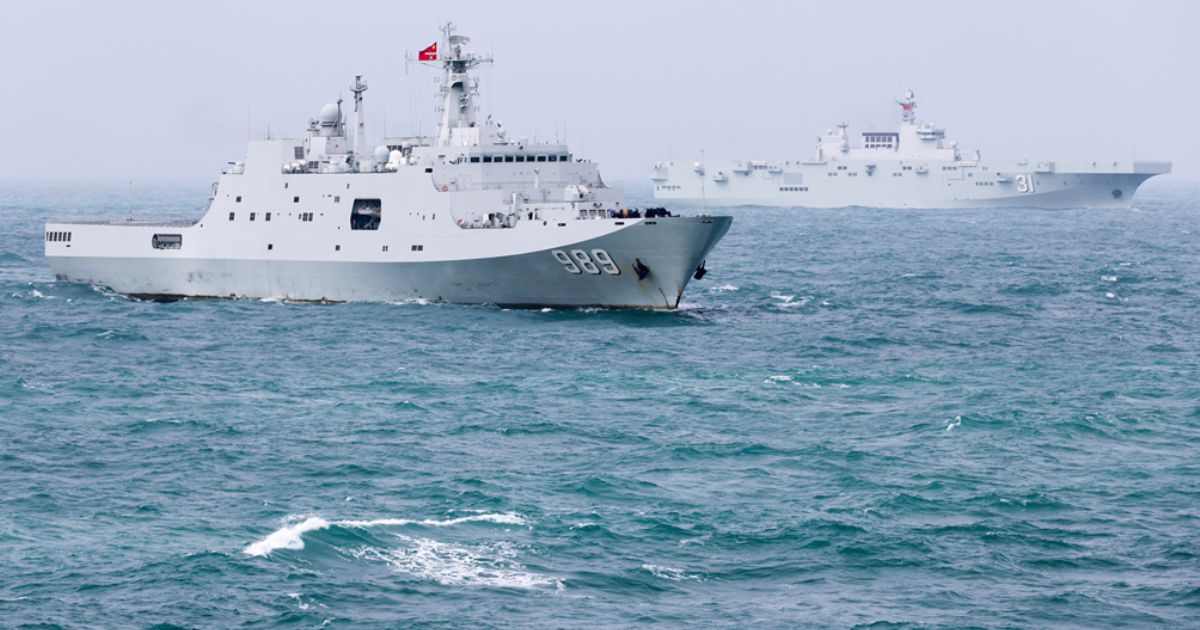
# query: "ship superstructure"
[[469, 215], [912, 167]]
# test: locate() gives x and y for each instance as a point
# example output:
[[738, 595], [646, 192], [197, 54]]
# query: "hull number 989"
[[579, 261]]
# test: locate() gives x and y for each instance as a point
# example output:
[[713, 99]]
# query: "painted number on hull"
[[1024, 183], [578, 261]]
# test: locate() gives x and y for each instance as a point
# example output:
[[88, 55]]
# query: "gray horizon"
[[145, 91]]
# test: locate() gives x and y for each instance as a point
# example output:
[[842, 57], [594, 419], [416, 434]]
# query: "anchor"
[[640, 268]]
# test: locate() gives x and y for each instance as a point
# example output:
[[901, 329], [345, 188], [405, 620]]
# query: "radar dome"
[[381, 154], [329, 114]]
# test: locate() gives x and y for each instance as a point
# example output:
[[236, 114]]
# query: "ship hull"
[[668, 249], [907, 184]]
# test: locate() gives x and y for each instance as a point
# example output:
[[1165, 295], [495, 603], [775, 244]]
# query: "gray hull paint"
[[670, 247], [933, 191]]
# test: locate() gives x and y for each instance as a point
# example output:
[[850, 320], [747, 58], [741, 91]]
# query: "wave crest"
[[291, 535]]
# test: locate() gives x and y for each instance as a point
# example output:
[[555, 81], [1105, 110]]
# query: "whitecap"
[[36, 386], [669, 573], [789, 301], [286, 537], [457, 565], [299, 602], [291, 535], [1110, 295], [503, 518], [950, 424], [778, 378], [1108, 278], [723, 288]]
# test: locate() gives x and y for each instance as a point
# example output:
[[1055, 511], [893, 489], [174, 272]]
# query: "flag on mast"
[[429, 54]]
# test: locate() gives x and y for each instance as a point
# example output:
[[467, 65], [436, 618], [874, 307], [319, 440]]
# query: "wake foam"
[[457, 565], [291, 535]]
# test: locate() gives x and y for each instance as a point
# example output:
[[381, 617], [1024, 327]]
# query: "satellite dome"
[[381, 154], [329, 114]]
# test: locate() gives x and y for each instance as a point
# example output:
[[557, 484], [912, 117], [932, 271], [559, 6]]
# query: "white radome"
[[329, 114]]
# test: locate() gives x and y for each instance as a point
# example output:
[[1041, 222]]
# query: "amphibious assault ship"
[[913, 167], [470, 215]]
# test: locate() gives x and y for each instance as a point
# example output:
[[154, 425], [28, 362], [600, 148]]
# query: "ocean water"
[[883, 418]]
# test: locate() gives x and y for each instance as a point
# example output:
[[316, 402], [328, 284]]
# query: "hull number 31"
[[580, 261], [1024, 183]]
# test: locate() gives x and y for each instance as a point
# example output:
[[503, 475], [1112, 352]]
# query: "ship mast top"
[[457, 109], [908, 106]]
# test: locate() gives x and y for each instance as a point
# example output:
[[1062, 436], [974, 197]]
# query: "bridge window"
[[508, 158], [366, 214], [520, 158], [553, 158], [474, 159], [541, 158]]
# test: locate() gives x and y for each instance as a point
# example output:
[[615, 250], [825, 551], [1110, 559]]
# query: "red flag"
[[429, 54]]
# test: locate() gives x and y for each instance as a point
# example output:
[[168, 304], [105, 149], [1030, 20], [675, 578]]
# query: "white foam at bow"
[[291, 536]]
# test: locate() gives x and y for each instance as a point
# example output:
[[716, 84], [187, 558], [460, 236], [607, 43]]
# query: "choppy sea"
[[882, 418]]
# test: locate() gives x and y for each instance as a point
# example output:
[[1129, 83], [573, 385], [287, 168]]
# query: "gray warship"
[[470, 215]]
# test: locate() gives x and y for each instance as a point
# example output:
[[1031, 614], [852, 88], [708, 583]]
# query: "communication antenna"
[[703, 173], [360, 133]]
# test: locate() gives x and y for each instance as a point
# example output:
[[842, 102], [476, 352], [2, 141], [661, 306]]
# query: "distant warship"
[[909, 168], [468, 216]]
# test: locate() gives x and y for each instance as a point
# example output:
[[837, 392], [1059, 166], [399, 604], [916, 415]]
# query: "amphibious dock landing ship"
[[470, 215], [912, 167]]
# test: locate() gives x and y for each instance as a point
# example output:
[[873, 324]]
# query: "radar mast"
[[908, 106], [457, 108], [360, 133]]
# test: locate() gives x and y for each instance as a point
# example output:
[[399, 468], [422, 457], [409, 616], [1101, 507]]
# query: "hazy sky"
[[142, 90]]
